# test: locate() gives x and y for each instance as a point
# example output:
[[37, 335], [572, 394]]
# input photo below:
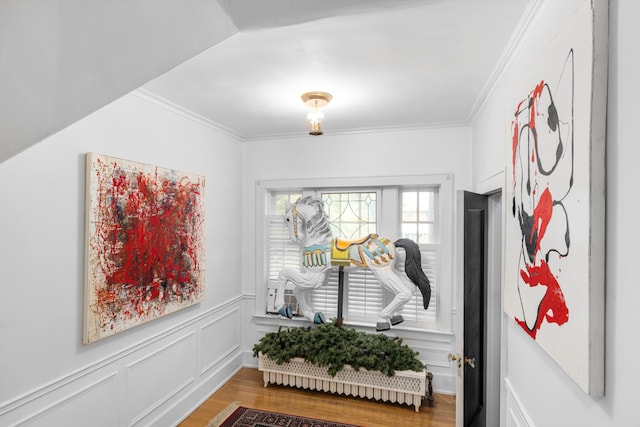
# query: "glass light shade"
[[314, 118]]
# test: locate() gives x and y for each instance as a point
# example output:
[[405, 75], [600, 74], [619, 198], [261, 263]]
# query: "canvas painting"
[[145, 249], [554, 236]]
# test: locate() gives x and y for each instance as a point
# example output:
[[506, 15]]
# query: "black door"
[[475, 282]]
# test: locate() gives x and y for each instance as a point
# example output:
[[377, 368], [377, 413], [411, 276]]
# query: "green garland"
[[333, 347]]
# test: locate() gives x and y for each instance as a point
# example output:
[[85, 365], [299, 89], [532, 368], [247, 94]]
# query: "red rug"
[[246, 417]]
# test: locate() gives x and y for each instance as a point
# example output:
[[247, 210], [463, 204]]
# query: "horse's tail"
[[413, 268]]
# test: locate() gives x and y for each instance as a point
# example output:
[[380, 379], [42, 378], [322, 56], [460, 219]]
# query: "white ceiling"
[[388, 64]]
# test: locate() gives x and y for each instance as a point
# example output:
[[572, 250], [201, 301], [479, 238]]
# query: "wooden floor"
[[247, 388]]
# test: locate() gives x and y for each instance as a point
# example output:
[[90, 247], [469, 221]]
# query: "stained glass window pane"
[[352, 215]]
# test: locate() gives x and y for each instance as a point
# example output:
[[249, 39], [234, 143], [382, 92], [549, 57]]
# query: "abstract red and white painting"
[[145, 248], [554, 225]]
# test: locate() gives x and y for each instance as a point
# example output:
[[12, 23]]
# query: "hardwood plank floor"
[[247, 388]]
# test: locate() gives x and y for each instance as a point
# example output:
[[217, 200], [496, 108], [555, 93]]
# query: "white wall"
[[45, 371], [417, 152], [538, 392], [157, 372]]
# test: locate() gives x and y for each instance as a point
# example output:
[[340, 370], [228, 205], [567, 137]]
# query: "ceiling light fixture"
[[315, 100]]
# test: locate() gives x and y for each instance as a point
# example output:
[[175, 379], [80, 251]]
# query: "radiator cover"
[[405, 387]]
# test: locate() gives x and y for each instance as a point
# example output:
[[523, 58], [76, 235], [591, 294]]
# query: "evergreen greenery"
[[332, 346]]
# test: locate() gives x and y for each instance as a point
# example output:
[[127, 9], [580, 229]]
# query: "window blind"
[[282, 252]]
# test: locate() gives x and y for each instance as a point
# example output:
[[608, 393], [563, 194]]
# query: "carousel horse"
[[309, 225]]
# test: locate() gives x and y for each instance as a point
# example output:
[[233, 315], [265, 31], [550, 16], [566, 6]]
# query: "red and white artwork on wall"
[[144, 250], [554, 227]]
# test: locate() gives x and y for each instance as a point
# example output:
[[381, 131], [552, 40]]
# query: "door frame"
[[495, 351], [493, 188]]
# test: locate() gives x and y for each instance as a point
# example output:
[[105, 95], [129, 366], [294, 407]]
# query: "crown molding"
[[159, 101], [528, 17], [359, 131]]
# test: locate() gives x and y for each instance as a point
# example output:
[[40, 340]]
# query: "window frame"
[[389, 210]]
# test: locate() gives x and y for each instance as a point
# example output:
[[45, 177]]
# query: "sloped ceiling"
[[242, 64], [61, 60]]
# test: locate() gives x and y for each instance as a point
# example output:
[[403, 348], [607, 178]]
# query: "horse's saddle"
[[343, 245], [347, 252]]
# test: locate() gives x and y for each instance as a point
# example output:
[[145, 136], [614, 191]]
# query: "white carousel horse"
[[309, 225]]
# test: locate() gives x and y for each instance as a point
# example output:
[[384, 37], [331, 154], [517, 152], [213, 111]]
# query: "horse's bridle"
[[294, 216]]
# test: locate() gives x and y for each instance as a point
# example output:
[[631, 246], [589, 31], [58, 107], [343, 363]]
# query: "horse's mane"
[[318, 223]]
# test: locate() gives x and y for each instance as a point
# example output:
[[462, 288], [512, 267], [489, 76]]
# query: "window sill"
[[277, 320]]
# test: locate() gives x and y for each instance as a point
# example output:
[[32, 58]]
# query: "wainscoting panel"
[[515, 414], [215, 346], [94, 405], [434, 350], [157, 377], [158, 381]]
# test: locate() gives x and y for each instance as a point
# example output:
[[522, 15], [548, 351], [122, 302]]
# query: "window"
[[411, 208], [418, 215], [418, 209], [352, 214]]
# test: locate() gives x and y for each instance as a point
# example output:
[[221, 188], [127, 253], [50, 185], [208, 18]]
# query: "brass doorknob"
[[471, 361], [456, 357]]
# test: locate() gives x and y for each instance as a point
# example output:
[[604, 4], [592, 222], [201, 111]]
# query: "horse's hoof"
[[286, 311], [396, 320], [319, 318], [382, 326]]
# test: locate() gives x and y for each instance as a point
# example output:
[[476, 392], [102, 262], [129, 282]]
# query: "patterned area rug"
[[239, 416]]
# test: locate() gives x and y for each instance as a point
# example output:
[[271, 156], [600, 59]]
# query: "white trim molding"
[[516, 415]]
